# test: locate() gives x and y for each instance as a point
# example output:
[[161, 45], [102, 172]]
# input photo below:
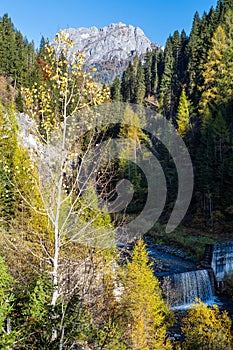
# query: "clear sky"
[[157, 18]]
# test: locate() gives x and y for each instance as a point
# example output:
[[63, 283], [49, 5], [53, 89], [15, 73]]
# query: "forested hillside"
[[190, 83], [67, 278], [17, 59]]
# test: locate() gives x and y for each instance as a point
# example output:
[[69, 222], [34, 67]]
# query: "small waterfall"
[[187, 286], [222, 260]]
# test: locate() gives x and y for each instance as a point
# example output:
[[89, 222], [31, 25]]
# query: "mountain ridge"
[[110, 48]]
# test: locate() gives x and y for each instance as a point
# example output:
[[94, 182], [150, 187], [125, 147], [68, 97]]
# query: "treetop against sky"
[[157, 18]]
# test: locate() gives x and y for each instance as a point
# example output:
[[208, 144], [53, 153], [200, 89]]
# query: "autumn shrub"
[[206, 328]]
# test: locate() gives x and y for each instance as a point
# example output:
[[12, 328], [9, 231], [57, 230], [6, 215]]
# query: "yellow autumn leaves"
[[65, 88]]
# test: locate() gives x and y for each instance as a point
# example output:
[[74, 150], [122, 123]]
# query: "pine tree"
[[176, 46], [176, 83], [148, 72], [166, 102], [17, 55], [214, 109], [21, 67], [222, 147], [8, 47], [43, 42], [116, 90], [227, 81], [221, 9], [128, 84], [155, 72], [198, 47], [183, 62], [197, 53], [193, 54], [140, 89]]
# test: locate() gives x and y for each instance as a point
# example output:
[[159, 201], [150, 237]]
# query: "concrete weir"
[[219, 257]]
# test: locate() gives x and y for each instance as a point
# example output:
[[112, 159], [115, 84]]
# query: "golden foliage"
[[65, 89], [146, 313], [207, 328]]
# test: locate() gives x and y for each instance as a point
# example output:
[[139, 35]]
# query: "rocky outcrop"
[[110, 48], [118, 41], [27, 136]]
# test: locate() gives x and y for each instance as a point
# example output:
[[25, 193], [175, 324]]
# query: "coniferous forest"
[[65, 280], [190, 83]]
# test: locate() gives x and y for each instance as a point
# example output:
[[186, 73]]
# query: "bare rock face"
[[110, 48], [115, 41]]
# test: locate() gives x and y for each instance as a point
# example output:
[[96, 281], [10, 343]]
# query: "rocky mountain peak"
[[110, 48], [116, 41]]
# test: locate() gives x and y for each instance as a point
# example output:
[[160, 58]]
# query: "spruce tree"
[[155, 72], [8, 47], [227, 82], [166, 97], [21, 68], [116, 90], [140, 88], [17, 55], [176, 83], [128, 84], [176, 47], [193, 54], [183, 62], [148, 72]]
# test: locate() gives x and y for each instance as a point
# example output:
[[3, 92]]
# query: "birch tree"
[[66, 245]]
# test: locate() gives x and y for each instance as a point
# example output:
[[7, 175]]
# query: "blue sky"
[[157, 18]]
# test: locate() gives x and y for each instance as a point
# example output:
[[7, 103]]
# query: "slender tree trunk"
[[8, 328], [55, 272]]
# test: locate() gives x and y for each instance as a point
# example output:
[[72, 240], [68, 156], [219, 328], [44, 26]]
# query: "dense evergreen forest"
[[63, 282], [190, 83]]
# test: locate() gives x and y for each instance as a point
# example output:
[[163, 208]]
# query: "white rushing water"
[[188, 286]]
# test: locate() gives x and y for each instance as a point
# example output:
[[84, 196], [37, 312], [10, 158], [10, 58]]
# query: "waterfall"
[[222, 259], [186, 287]]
